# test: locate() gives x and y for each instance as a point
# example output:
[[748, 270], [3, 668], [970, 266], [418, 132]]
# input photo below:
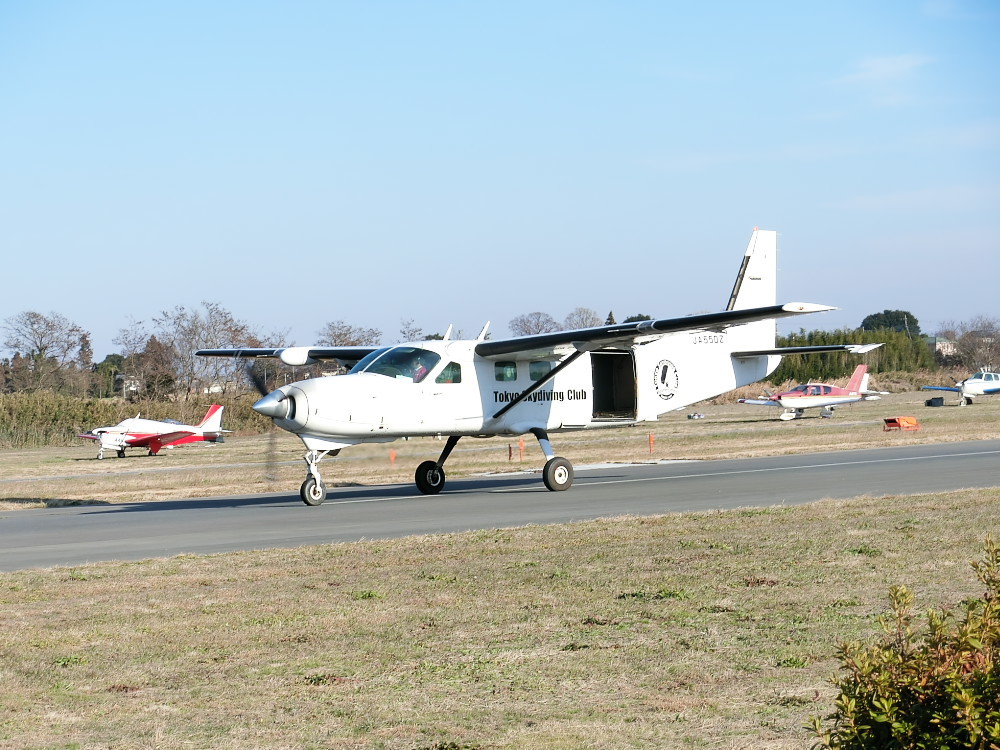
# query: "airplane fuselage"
[[469, 395]]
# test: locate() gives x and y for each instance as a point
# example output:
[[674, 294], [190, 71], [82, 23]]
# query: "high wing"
[[588, 339], [295, 355]]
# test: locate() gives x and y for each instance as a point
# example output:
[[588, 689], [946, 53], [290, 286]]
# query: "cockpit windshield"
[[409, 362]]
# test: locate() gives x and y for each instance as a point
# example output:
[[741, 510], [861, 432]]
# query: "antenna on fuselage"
[[482, 333], [447, 334]]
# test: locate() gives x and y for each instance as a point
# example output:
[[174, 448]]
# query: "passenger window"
[[452, 373], [538, 370], [505, 371]]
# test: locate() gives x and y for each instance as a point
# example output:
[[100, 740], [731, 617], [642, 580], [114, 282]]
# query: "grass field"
[[689, 630]]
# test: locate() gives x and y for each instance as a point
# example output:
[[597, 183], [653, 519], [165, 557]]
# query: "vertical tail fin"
[[859, 379], [213, 419], [756, 284]]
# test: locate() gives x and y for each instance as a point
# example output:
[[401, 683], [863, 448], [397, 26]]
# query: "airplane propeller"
[[256, 378]]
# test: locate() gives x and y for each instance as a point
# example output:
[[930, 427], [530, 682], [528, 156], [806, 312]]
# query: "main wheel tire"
[[429, 478], [312, 492], [557, 474]]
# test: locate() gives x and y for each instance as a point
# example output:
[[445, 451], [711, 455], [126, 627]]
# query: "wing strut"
[[539, 383]]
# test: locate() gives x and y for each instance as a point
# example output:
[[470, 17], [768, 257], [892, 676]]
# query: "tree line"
[[156, 360]]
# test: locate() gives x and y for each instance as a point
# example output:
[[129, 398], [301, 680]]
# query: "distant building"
[[942, 347]]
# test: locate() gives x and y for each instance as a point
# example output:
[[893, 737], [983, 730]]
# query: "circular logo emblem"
[[665, 379]]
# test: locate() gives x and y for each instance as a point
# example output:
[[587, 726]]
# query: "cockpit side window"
[[452, 373], [409, 362]]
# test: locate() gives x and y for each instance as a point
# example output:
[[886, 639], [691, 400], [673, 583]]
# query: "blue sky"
[[445, 162]]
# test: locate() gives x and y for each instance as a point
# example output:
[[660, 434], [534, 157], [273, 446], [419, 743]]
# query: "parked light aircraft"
[[569, 380], [981, 384], [154, 434], [815, 395]]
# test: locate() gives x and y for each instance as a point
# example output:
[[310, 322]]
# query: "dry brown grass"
[[59, 476], [693, 630]]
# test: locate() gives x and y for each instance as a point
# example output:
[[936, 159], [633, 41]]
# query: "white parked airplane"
[[982, 383], [569, 380]]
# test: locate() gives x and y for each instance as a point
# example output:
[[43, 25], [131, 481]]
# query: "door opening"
[[614, 386]]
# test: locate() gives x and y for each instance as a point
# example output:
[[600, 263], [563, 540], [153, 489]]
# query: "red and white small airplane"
[[154, 434], [815, 395]]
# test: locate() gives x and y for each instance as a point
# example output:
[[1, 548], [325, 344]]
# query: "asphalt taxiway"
[[85, 534]]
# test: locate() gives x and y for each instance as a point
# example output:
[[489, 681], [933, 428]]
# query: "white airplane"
[[154, 434], [605, 376], [816, 395], [982, 383]]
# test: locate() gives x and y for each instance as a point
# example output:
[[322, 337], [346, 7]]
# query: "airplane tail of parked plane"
[[213, 419], [859, 379]]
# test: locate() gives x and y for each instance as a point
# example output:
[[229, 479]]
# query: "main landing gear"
[[557, 474], [429, 477]]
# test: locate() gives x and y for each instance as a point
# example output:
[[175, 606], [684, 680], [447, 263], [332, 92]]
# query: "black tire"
[[429, 478], [312, 492], [121, 453], [558, 474]]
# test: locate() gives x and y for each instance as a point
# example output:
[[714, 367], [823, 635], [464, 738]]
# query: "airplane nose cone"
[[273, 405]]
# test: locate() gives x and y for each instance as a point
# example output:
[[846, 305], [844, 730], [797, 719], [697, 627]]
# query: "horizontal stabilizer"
[[822, 349]]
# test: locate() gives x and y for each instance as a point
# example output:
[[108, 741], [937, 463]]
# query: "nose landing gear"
[[313, 491]]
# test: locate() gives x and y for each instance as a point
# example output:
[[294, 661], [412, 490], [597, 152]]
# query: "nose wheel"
[[313, 490]]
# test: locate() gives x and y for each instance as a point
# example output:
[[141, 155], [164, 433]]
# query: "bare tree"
[[533, 323], [339, 333], [582, 317], [977, 342], [131, 340], [49, 346], [213, 327], [410, 332]]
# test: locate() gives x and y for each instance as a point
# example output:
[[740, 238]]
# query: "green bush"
[[936, 691]]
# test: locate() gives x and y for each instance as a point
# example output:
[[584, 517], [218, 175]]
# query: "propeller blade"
[[275, 408], [257, 379]]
